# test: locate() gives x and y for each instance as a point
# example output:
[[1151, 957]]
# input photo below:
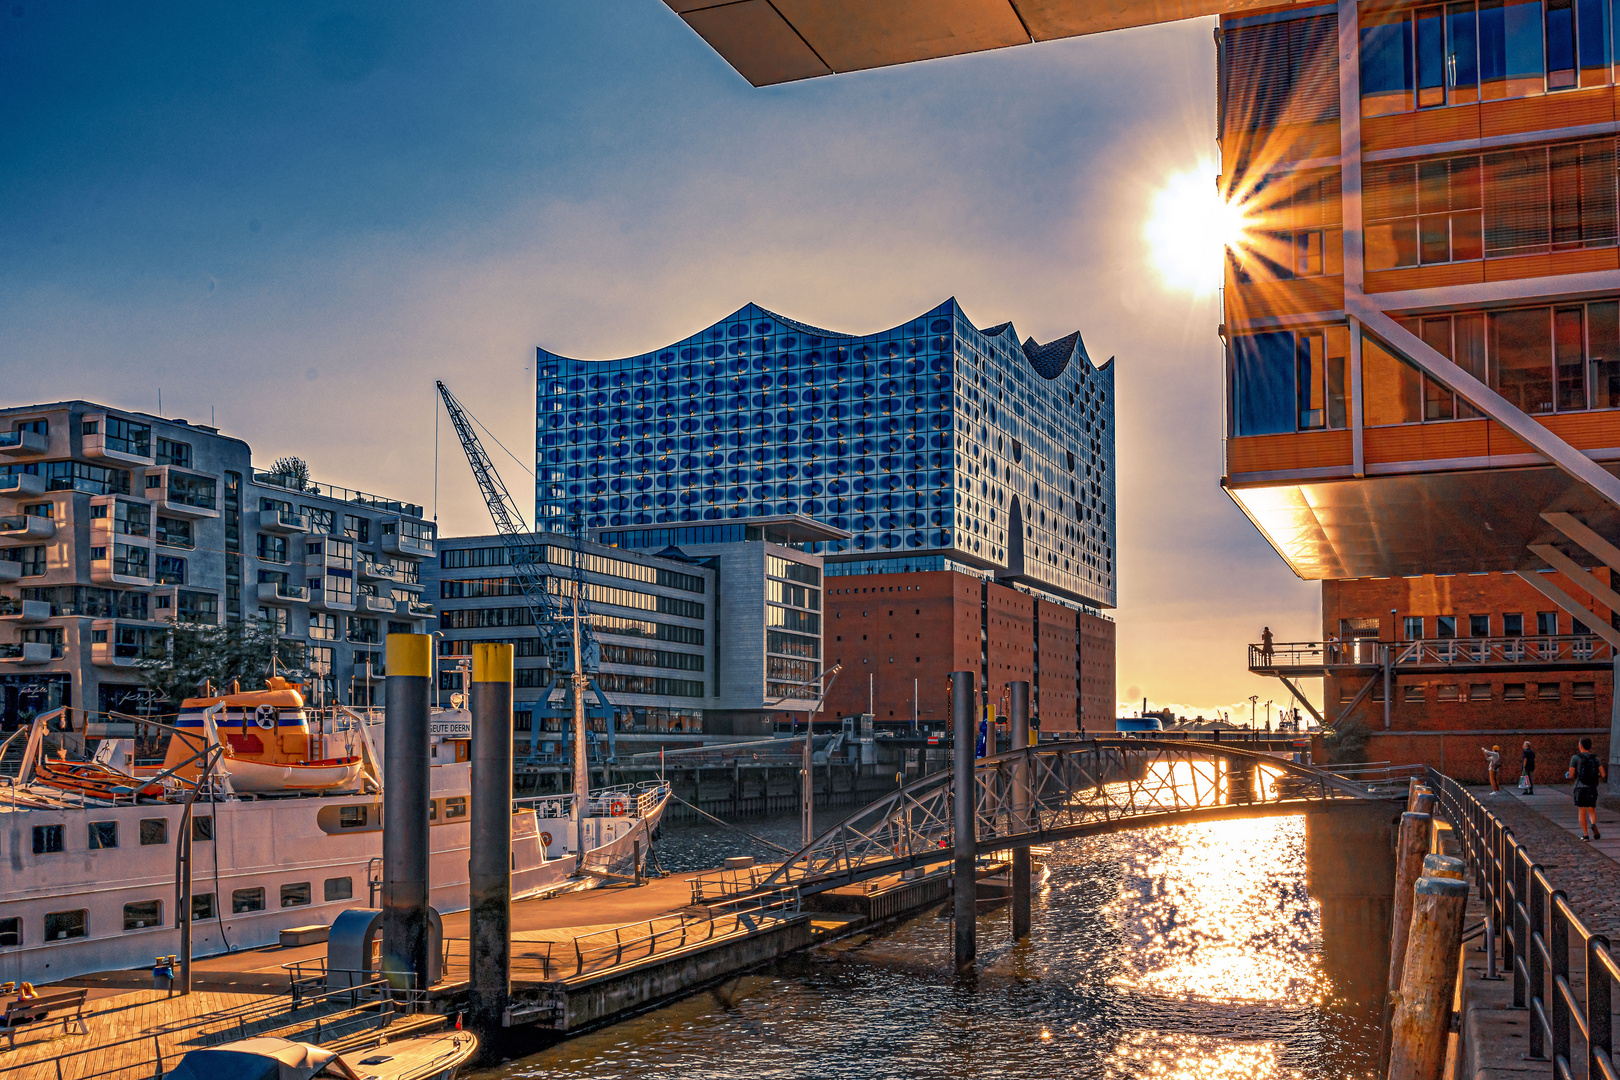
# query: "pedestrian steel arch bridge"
[[1043, 794]]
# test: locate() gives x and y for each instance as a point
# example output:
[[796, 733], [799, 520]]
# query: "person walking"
[[1493, 768], [1587, 771], [1527, 771]]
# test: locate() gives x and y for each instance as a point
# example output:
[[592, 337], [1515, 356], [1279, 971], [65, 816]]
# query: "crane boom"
[[527, 558]]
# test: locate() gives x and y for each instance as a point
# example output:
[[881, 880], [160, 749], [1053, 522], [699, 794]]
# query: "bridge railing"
[[1537, 929], [1564, 650]]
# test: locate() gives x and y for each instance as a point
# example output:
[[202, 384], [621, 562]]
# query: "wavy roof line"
[[1049, 360]]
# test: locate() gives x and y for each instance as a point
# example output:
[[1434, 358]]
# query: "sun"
[[1190, 228]]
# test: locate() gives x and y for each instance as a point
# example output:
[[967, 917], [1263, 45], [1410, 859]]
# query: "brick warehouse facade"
[[899, 636], [1445, 713]]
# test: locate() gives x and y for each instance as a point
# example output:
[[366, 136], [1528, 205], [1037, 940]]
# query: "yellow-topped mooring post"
[[489, 909], [405, 810]]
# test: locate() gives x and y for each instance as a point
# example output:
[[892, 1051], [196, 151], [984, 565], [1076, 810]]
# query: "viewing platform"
[[1314, 659]]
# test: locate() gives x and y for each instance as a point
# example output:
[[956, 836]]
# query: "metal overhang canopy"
[[778, 41]]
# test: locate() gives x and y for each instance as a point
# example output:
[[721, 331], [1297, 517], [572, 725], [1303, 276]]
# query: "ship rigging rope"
[[729, 825]]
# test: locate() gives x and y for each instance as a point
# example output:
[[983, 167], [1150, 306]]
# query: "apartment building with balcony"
[[709, 638], [116, 524]]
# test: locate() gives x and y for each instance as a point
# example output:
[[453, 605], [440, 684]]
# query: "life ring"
[[545, 838], [266, 716], [616, 808]]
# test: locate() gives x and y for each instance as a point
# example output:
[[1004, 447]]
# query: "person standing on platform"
[[1265, 645], [1527, 771], [1493, 768], [1587, 772]]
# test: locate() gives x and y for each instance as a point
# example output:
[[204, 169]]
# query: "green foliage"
[[240, 650], [1345, 743], [295, 468]]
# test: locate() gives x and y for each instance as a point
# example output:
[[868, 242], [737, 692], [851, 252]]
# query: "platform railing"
[[1454, 652], [1537, 927]]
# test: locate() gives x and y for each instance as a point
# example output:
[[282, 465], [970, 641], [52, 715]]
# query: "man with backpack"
[[1587, 772]]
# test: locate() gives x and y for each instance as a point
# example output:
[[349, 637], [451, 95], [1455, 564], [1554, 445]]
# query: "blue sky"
[[299, 215]]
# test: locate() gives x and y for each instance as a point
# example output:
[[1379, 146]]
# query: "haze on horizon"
[[294, 219]]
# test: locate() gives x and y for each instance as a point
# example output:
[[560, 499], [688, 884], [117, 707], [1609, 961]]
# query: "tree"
[[240, 651], [295, 469]]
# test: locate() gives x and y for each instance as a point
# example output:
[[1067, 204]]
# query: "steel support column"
[[489, 909], [1020, 803], [405, 811], [964, 713]]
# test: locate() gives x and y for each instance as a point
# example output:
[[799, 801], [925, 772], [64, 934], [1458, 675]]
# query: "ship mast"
[[582, 774]]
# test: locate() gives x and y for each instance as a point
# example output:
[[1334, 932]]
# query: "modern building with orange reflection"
[[1422, 335]]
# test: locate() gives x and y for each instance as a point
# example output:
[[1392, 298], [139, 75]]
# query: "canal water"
[[1239, 949]]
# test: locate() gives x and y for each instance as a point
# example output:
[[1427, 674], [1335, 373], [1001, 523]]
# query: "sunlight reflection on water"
[[1191, 953]]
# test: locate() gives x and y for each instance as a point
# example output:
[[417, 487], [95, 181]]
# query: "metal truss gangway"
[[1043, 794]]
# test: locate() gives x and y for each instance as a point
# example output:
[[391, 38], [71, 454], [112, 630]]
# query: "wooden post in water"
[[964, 878], [1020, 779], [1421, 1021], [1410, 850], [1425, 802], [1443, 866]]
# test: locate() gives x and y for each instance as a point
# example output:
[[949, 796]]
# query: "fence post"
[[1521, 930], [1599, 1026], [1410, 848], [1558, 946], [1538, 973]]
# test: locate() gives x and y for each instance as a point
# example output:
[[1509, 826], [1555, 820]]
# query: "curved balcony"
[[23, 611], [23, 443], [283, 522], [271, 592], [378, 571], [21, 485], [378, 605], [28, 653], [21, 527]]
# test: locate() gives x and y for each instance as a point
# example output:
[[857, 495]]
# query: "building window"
[[171, 570], [1479, 626], [88, 479], [63, 925], [278, 617], [202, 828], [1479, 691], [1583, 691], [1283, 382], [31, 560], [352, 817], [339, 888], [197, 607], [340, 587], [1547, 691], [103, 834], [1447, 692], [1546, 623], [170, 452], [321, 519], [455, 807], [188, 489], [296, 895], [154, 831], [323, 626], [175, 532], [1413, 627], [245, 900], [10, 933], [1513, 691], [1445, 626], [202, 906], [143, 913], [47, 839], [272, 548], [357, 528], [1412, 692], [1513, 624], [363, 630], [127, 437]]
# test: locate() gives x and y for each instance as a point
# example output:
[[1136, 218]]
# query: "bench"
[[294, 936], [26, 1012]]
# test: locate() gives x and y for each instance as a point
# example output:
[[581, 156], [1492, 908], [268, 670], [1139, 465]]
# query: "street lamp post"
[[807, 790]]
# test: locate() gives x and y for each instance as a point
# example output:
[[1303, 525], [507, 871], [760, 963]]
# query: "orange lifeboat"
[[267, 741]]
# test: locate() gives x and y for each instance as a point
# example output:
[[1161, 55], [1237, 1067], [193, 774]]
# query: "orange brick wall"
[[1058, 643], [1097, 694], [1463, 595]]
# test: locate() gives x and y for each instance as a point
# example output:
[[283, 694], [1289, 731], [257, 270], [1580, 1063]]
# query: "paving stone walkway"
[[1588, 872]]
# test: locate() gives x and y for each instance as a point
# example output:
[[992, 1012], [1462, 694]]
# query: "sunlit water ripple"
[[1188, 952]]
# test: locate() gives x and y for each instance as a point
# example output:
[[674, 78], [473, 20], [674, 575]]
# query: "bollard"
[[489, 887], [1443, 866], [1421, 1023], [1410, 850], [1020, 802], [405, 812], [1418, 789], [964, 712]]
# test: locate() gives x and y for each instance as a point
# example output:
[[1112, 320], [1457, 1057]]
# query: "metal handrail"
[[1535, 925]]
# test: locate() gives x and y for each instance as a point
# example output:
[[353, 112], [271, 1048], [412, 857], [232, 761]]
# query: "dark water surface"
[[1204, 951]]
